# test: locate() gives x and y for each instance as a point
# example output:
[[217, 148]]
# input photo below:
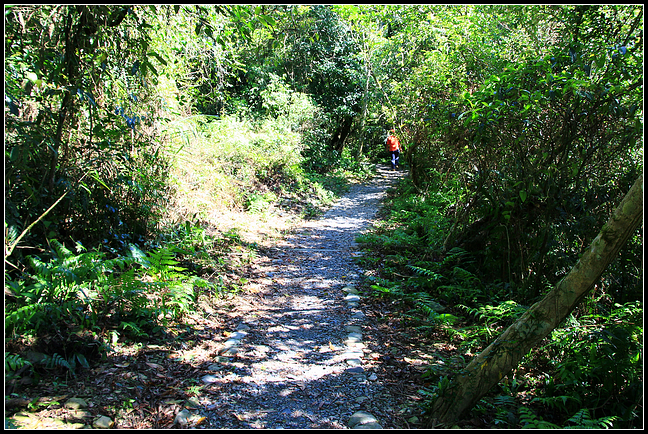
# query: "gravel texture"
[[296, 358]]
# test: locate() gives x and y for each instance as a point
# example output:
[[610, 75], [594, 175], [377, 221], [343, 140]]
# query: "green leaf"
[[82, 360], [95, 176], [158, 57], [523, 195], [269, 21]]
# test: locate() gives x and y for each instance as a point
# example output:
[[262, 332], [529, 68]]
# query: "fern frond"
[[428, 273], [583, 419], [555, 401], [530, 420], [463, 274], [425, 308], [457, 251], [14, 362], [80, 358], [21, 318], [11, 234], [56, 360], [61, 251], [39, 266]]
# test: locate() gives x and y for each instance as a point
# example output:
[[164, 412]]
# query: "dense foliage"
[[126, 127], [522, 140]]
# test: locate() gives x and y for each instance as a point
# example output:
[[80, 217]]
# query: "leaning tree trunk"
[[500, 357]]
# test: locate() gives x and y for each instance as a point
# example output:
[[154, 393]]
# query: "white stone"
[[209, 379], [353, 344], [355, 336], [76, 403], [350, 289], [369, 425], [104, 422], [361, 418], [238, 335], [230, 352], [182, 418], [354, 362], [352, 355]]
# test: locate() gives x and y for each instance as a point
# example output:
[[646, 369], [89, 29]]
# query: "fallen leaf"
[[198, 421]]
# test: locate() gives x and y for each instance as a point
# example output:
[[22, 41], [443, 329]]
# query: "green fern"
[[179, 299], [11, 234], [14, 362], [506, 311], [133, 328], [455, 254], [388, 290], [25, 318], [65, 287], [163, 266], [56, 360], [557, 402], [59, 278], [464, 275], [80, 358], [62, 252], [583, 419], [426, 308], [427, 273], [529, 420]]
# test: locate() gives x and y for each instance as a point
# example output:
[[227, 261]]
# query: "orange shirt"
[[393, 144]]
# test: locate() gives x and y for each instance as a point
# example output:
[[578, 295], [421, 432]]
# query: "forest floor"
[[298, 347]]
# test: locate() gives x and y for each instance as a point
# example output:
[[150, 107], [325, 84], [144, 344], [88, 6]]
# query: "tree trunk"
[[500, 357], [365, 99], [340, 136]]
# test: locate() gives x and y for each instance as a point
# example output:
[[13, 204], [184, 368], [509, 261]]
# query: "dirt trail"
[[297, 357]]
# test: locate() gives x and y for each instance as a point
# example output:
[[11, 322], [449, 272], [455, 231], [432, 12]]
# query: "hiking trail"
[[296, 358]]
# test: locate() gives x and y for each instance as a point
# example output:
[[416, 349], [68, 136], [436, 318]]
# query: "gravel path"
[[297, 358]]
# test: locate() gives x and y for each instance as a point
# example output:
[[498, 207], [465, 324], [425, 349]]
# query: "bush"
[[134, 294]]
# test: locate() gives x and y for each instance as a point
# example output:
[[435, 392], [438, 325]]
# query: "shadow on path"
[[296, 365]]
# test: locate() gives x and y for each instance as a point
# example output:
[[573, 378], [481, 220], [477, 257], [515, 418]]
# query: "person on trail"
[[394, 148]]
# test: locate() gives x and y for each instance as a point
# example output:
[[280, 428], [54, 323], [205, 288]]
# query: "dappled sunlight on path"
[[299, 360]]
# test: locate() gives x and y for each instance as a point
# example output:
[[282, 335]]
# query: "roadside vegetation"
[[152, 151], [588, 366], [520, 148]]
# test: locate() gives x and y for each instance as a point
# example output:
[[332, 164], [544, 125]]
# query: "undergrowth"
[[74, 304], [586, 374], [257, 163]]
